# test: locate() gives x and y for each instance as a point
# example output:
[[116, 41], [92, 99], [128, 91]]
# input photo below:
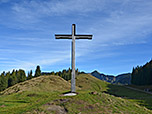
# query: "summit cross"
[[73, 36]]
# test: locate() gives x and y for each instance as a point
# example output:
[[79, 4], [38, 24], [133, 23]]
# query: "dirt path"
[[138, 90]]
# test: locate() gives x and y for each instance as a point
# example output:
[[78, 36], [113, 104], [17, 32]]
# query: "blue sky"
[[122, 34]]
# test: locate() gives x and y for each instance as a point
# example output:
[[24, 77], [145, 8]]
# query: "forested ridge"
[[65, 74], [142, 75], [8, 79]]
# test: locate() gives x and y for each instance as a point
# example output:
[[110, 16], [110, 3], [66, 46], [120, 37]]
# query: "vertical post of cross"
[[73, 60], [73, 36]]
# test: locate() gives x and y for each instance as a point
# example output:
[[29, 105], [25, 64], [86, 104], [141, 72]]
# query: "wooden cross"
[[73, 36]]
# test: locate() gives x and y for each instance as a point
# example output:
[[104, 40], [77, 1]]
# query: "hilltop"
[[44, 95], [39, 84]]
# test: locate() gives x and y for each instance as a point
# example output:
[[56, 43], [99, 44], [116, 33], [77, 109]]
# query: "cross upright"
[[73, 36]]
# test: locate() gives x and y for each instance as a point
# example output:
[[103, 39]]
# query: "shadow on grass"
[[141, 98], [66, 92], [17, 101]]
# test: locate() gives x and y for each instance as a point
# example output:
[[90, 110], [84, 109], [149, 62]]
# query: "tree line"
[[16, 76], [142, 75], [8, 79], [65, 74]]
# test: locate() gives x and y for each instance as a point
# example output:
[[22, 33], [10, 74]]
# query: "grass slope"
[[43, 95], [39, 84], [149, 87]]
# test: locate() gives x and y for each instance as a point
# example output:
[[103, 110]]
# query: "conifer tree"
[[60, 73], [37, 71], [30, 75], [3, 82], [13, 78], [69, 74], [57, 73], [21, 75], [77, 71], [52, 73], [8, 74]]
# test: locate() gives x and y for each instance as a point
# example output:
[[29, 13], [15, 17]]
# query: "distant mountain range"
[[124, 79]]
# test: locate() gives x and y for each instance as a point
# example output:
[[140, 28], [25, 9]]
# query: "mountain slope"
[[124, 79], [95, 96]]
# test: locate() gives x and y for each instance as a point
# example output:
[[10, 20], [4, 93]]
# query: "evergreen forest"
[[142, 75]]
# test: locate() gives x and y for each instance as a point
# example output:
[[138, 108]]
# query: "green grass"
[[142, 87], [44, 95], [142, 99]]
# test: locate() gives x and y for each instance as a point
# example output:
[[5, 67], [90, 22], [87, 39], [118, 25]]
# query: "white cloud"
[[126, 26], [112, 22], [34, 10], [76, 6], [58, 7], [122, 26], [28, 63]]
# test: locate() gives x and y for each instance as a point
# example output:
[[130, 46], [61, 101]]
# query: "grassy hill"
[[44, 95], [40, 84]]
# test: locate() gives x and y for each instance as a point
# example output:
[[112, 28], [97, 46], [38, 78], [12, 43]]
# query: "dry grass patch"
[[40, 84]]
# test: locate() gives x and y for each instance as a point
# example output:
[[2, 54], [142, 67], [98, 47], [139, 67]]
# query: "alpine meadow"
[[75, 57]]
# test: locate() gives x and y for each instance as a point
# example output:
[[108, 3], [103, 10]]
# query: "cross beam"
[[73, 36], [64, 36]]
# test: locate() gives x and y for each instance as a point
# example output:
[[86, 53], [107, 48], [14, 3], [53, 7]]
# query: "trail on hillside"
[[138, 90]]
